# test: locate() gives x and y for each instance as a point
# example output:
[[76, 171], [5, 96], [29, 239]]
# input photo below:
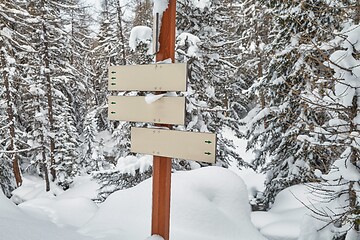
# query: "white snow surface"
[[155, 237], [289, 215], [206, 204], [15, 224], [130, 164]]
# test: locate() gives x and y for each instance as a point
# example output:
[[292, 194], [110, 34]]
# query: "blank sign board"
[[175, 144], [167, 110], [154, 77]]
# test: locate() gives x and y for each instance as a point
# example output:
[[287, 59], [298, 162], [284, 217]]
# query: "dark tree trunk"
[[46, 59]]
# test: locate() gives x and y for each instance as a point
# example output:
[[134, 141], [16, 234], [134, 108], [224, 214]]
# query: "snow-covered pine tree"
[[13, 45], [80, 37], [89, 144], [338, 94], [108, 50], [207, 41], [143, 13], [297, 28], [67, 144], [252, 31], [50, 79]]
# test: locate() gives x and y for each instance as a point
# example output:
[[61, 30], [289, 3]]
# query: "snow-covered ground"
[[207, 203], [16, 224], [283, 221]]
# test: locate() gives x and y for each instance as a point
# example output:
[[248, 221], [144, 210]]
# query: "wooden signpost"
[[162, 143]]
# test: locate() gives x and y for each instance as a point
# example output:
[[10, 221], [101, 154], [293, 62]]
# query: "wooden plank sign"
[[169, 110], [153, 77], [175, 144]]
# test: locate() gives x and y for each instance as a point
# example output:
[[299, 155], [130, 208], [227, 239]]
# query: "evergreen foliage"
[[286, 69], [208, 43], [340, 132], [284, 116], [13, 45]]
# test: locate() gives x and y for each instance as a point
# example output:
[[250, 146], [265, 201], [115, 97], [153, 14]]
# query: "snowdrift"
[[17, 225], [206, 204], [285, 218]]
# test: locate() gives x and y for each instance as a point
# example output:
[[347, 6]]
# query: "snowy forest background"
[[285, 75]]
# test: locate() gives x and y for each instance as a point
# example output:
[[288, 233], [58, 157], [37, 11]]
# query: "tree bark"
[[354, 159], [46, 59], [121, 32]]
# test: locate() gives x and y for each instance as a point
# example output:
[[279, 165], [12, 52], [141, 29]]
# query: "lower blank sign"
[[175, 144]]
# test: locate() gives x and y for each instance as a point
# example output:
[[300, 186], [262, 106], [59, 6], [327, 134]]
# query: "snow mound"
[[130, 164], [206, 204], [16, 225], [82, 187], [283, 221], [155, 237], [34, 187], [74, 212]]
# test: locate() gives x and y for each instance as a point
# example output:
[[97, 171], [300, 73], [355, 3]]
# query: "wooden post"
[[162, 165]]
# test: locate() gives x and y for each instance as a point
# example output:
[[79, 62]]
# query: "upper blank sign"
[[154, 77], [176, 144]]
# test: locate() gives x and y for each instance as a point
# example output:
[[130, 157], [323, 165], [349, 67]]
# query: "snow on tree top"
[[140, 34]]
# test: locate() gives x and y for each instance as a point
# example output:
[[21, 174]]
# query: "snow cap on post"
[[160, 6]]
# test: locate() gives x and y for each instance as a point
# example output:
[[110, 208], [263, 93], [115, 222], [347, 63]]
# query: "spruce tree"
[[284, 116], [108, 50], [337, 94], [13, 18], [207, 41], [51, 80]]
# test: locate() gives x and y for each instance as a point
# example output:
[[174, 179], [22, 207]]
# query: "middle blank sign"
[[166, 110]]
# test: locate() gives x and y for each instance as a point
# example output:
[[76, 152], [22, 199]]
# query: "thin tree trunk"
[[354, 159], [121, 32], [49, 98], [260, 65], [45, 168]]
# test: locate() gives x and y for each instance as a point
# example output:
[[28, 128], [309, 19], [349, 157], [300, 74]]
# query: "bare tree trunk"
[[49, 97], [260, 64], [45, 168], [121, 31], [354, 159]]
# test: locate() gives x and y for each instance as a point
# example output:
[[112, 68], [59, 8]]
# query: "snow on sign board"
[[169, 110], [153, 77], [175, 144]]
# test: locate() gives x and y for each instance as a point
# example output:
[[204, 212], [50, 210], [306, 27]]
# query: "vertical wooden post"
[[162, 165]]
